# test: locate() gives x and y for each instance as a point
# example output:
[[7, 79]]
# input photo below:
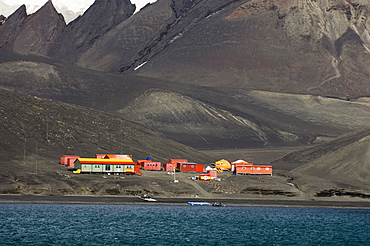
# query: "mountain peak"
[[11, 26], [19, 14], [35, 32], [101, 17], [48, 10]]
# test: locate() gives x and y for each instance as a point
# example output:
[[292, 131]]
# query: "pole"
[[36, 156], [24, 150]]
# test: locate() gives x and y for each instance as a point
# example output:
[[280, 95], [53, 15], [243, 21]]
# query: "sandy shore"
[[183, 201]]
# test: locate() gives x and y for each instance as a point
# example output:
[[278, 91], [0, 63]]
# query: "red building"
[[169, 166], [190, 167], [212, 173], [152, 165], [71, 161], [175, 161], [253, 169], [64, 159], [137, 170]]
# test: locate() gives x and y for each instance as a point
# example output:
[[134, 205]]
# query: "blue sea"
[[61, 224]]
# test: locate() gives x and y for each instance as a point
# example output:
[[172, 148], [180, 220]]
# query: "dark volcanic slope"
[[344, 160], [53, 129], [239, 119], [288, 46], [201, 117]]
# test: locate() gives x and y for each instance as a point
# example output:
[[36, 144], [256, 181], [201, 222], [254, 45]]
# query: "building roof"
[[116, 156], [105, 161]]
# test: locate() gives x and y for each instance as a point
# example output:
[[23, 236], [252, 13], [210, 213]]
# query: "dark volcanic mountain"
[[309, 47], [200, 60], [81, 33], [34, 33]]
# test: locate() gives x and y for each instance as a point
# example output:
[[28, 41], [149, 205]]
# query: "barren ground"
[[52, 182]]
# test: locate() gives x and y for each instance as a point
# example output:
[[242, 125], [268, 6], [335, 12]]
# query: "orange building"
[[252, 169]]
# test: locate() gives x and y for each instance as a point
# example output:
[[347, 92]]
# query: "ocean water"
[[61, 224]]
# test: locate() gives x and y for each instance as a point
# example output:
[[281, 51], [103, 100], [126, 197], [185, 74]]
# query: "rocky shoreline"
[[131, 200]]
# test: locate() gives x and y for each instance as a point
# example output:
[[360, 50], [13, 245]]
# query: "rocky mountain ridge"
[[308, 47]]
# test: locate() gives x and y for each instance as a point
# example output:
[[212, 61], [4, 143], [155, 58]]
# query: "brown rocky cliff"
[[33, 33], [83, 32], [11, 26]]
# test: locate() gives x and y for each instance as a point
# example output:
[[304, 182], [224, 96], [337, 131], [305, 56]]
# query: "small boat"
[[147, 198], [199, 203]]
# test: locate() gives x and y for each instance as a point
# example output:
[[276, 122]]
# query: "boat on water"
[[199, 203], [215, 204], [147, 198]]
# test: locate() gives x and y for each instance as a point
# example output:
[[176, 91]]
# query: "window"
[[192, 166], [244, 168], [107, 168], [118, 167], [258, 168], [252, 168], [96, 166], [267, 168]]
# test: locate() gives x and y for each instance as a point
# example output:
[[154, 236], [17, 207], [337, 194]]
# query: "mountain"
[[305, 47], [35, 33], [225, 74], [101, 17]]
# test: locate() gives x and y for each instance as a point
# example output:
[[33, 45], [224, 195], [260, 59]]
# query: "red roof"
[[105, 161]]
